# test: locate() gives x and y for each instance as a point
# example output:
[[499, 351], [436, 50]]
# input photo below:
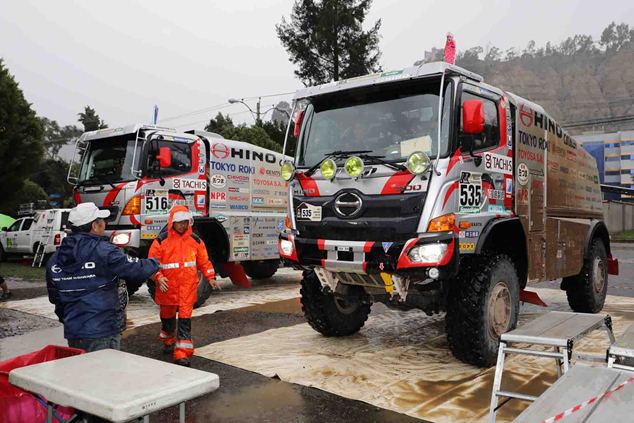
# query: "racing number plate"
[[308, 212], [470, 195], [156, 201]]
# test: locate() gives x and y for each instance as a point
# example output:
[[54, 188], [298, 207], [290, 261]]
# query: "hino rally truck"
[[427, 188], [234, 190]]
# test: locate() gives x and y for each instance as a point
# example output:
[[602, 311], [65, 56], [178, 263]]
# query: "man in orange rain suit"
[[181, 254]]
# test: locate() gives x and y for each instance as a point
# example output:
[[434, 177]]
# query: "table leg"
[[181, 412], [49, 412]]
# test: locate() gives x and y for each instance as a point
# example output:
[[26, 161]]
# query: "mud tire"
[[151, 287], [133, 287], [584, 296], [471, 337], [263, 269], [203, 291], [324, 315]]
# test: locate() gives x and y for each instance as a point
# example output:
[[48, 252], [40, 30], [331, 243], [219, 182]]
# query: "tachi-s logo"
[[220, 151], [526, 115]]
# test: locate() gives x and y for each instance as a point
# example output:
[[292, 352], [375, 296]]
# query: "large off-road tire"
[[133, 287], [586, 291], [483, 303], [262, 269], [329, 315], [151, 287]]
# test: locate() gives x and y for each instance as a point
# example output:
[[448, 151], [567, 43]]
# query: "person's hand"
[[163, 283], [214, 284]]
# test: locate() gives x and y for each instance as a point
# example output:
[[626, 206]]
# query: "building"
[[614, 153]]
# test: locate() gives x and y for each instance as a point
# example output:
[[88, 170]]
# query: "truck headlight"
[[328, 169], [287, 247], [427, 253], [354, 167], [418, 163], [121, 239], [287, 171]]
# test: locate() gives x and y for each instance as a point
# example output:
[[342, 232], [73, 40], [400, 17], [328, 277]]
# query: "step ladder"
[[557, 330], [41, 247]]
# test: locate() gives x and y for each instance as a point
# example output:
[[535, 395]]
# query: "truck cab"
[[422, 188]]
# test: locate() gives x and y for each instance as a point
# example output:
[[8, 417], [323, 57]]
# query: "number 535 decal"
[[470, 195]]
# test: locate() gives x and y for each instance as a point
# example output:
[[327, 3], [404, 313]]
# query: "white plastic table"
[[114, 385]]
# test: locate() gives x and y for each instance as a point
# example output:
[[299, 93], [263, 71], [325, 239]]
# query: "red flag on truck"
[[450, 49]]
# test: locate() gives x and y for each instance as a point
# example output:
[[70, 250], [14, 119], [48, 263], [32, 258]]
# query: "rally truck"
[[427, 188], [234, 190]]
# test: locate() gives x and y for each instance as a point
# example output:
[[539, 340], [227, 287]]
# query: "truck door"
[[12, 236], [23, 238]]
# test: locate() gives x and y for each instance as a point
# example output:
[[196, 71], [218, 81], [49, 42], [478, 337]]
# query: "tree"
[[256, 134], [21, 146], [55, 137], [91, 120], [493, 55], [219, 123], [29, 192], [326, 40], [275, 130], [51, 176]]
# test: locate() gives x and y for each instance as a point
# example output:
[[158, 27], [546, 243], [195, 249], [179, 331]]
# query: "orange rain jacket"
[[180, 256]]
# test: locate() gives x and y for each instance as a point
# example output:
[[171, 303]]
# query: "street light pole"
[[256, 113]]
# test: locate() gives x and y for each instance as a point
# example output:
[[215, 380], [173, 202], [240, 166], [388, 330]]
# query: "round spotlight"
[[328, 169], [418, 163], [288, 170], [354, 167]]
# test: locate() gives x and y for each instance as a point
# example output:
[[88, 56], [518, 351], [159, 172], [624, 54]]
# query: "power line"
[[196, 112]]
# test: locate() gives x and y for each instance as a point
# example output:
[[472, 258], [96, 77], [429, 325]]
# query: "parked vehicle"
[[41, 226], [428, 188], [234, 189]]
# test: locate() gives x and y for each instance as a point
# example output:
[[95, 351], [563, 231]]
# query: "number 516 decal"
[[470, 195]]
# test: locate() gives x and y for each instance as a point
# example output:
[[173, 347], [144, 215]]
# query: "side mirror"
[[164, 157], [472, 117]]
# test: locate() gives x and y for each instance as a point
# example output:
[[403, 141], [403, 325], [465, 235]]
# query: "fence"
[[618, 216]]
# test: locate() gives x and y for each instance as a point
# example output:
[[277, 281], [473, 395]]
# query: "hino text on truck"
[[428, 188], [234, 190]]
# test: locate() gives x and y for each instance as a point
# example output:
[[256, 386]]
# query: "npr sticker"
[[308, 212], [470, 196], [189, 184], [218, 197], [522, 174], [218, 180], [498, 163]]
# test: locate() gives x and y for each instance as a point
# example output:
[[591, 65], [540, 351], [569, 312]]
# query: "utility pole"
[[257, 113]]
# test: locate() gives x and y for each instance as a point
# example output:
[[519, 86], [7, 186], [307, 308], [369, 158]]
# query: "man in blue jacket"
[[82, 278]]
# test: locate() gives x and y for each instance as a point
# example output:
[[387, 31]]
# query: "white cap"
[[182, 216], [85, 213]]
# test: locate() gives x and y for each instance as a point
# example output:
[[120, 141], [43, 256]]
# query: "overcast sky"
[[122, 57]]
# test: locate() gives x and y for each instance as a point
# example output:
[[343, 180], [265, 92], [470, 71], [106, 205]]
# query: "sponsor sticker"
[[308, 212], [148, 235], [470, 196], [218, 180], [189, 184], [496, 194], [466, 247], [496, 208], [498, 163], [238, 207], [257, 200], [522, 174], [240, 190], [469, 234], [386, 246], [153, 228], [509, 186], [217, 197]]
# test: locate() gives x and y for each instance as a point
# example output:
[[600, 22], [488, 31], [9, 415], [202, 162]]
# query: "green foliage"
[[219, 123], [326, 40], [21, 147], [256, 135], [51, 176], [91, 120], [55, 136], [29, 192]]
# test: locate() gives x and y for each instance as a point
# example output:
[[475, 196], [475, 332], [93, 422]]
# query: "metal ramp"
[[621, 353], [558, 330]]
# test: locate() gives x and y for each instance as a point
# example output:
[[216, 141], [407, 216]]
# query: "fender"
[[597, 229], [489, 228]]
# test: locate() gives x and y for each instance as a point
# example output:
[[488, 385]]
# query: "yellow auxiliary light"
[[354, 166], [288, 170], [418, 163], [328, 169]]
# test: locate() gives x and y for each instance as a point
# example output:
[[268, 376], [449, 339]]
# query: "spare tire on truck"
[[260, 269]]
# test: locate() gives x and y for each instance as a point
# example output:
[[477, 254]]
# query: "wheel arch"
[[506, 235], [597, 229], [215, 237]]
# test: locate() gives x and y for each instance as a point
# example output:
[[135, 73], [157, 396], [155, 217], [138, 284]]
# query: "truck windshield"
[[108, 161], [392, 122]]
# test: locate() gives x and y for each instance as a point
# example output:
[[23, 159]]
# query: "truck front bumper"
[[370, 257]]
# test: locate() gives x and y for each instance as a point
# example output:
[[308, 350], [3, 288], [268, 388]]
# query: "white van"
[[26, 233]]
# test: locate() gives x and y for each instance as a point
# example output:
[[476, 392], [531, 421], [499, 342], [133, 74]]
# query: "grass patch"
[[624, 236], [22, 271]]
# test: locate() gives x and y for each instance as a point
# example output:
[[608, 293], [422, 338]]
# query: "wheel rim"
[[598, 274], [499, 309], [345, 306]]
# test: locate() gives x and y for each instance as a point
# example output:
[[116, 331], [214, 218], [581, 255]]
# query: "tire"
[[203, 292], [485, 291], [133, 287], [262, 269], [325, 315], [586, 291], [151, 287]]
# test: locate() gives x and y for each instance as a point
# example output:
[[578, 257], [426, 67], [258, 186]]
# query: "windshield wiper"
[[335, 154], [381, 160]]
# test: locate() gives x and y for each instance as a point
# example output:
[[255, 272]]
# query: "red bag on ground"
[[18, 405]]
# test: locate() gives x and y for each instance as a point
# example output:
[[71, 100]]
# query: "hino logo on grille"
[[348, 204]]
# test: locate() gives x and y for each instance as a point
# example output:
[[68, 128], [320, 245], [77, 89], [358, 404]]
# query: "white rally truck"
[[234, 189]]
